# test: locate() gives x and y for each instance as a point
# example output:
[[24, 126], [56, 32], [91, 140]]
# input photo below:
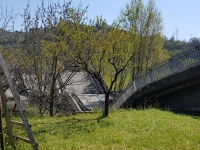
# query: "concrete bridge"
[[173, 84]]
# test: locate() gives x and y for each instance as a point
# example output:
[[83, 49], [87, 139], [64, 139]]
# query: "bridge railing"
[[174, 65]]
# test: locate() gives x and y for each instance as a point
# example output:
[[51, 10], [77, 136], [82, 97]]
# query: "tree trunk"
[[51, 108], [106, 105], [51, 103]]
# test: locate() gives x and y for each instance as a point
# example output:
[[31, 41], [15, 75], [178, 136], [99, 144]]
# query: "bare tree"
[[45, 50]]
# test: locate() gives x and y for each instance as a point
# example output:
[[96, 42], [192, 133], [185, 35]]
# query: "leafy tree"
[[101, 51], [193, 42], [145, 25]]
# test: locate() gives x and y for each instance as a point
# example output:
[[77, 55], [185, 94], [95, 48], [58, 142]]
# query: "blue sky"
[[178, 15]]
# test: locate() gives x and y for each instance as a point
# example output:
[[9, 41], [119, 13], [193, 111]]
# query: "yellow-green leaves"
[[53, 48], [144, 24]]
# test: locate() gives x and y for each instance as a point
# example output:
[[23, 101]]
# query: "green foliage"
[[124, 129], [174, 53], [144, 23], [176, 47]]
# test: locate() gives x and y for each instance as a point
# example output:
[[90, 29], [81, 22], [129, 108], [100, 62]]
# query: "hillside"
[[10, 38], [123, 129]]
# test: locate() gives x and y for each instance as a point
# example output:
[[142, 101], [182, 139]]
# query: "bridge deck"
[[173, 74]]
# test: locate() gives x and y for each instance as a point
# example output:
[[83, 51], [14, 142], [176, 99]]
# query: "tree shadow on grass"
[[194, 114], [72, 126]]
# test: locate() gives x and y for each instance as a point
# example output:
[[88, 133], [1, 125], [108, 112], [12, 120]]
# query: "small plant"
[[148, 104]]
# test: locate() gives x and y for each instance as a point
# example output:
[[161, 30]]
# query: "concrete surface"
[[85, 89]]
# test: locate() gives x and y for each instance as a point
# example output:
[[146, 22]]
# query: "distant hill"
[[10, 38], [176, 47]]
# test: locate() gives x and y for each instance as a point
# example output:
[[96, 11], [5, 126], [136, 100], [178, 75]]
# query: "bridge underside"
[[187, 98], [178, 91]]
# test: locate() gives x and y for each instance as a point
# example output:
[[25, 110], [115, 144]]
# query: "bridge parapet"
[[173, 65]]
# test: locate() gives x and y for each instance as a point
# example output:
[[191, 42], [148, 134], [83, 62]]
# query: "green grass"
[[149, 129]]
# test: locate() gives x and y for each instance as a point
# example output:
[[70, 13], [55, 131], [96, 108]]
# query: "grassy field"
[[149, 129]]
